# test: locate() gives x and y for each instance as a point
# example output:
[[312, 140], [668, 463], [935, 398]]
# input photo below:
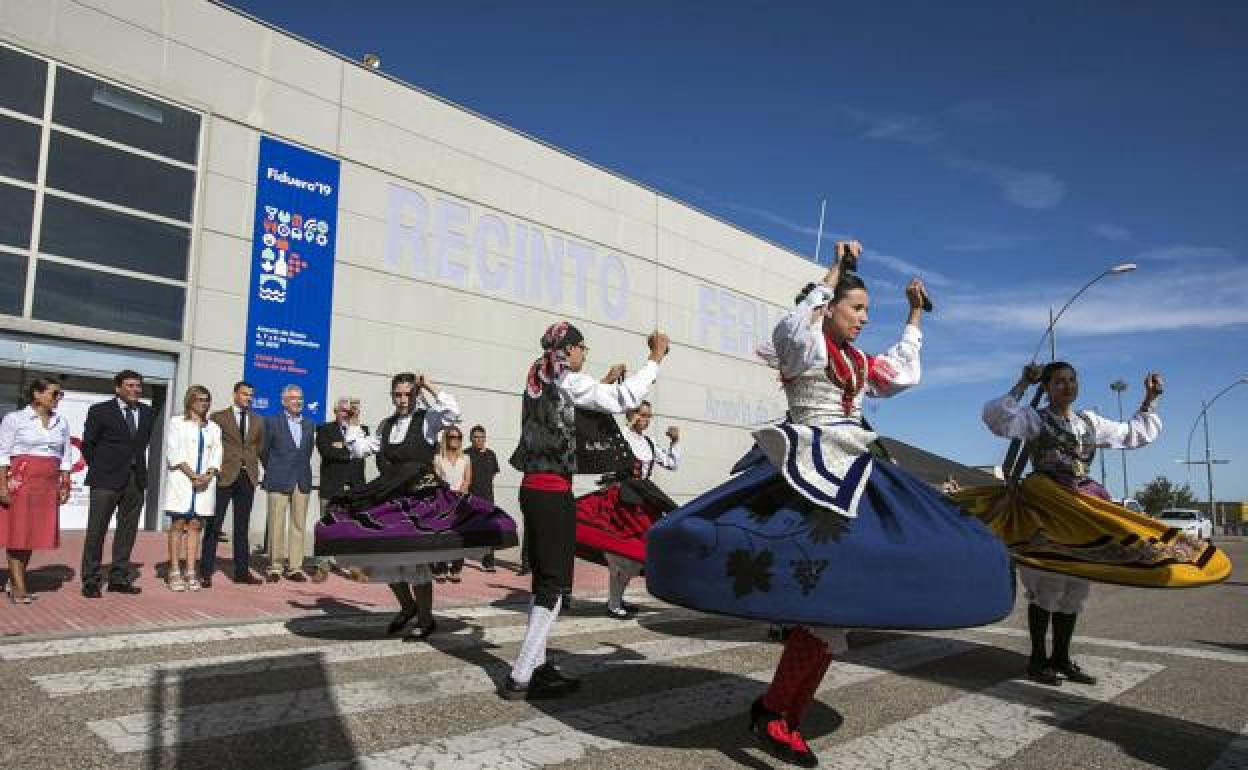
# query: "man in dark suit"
[[114, 444], [242, 436], [287, 457], [340, 472]]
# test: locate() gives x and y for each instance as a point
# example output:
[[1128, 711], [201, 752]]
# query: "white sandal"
[[175, 581], [193, 583]]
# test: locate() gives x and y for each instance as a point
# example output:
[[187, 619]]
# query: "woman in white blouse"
[[453, 467], [35, 462], [192, 463]]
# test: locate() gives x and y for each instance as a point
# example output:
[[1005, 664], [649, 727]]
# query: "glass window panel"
[[13, 284], [96, 171], [93, 234], [105, 301], [22, 80], [19, 149], [17, 208], [124, 116]]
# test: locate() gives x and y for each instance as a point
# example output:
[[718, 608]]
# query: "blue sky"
[[1008, 154]]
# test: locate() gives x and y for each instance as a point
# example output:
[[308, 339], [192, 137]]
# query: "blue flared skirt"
[[754, 548]]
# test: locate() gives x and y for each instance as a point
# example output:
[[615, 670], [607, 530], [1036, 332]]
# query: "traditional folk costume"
[[565, 429], [395, 526], [814, 531], [612, 522], [1063, 530]]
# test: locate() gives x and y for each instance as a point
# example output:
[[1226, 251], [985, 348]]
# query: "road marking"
[[987, 727], [1235, 755], [1121, 644], [141, 640], [631, 722], [177, 672], [154, 730]]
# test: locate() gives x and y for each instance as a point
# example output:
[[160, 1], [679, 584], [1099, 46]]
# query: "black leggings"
[[550, 530]]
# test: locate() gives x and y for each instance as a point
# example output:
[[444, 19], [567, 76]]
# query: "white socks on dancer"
[[533, 649]]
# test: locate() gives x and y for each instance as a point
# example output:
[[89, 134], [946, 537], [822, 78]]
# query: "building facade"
[[130, 136]]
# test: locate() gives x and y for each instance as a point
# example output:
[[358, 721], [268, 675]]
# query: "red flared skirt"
[[31, 520], [605, 523]]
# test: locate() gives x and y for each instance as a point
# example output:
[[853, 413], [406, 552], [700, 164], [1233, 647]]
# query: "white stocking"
[[533, 649]]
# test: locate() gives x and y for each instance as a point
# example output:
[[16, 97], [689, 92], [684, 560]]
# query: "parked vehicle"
[[1189, 521], [1131, 504]]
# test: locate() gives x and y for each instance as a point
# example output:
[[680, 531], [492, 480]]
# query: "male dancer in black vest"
[[549, 453], [404, 447]]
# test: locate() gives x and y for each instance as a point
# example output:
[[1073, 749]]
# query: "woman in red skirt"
[[35, 460]]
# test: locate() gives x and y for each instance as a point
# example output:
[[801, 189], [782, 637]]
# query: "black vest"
[[413, 450], [556, 437]]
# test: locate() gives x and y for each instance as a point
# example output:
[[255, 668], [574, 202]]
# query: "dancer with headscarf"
[[564, 431], [813, 531], [1061, 525]]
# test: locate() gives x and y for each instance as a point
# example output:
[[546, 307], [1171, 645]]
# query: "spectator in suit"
[[114, 444], [484, 469], [340, 472], [242, 437], [287, 457]]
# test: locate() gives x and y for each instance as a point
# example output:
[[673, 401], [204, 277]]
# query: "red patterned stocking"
[[805, 660]]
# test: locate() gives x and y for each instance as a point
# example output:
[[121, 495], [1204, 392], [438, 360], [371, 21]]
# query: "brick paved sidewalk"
[[60, 607]]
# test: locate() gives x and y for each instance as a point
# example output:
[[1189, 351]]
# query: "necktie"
[[242, 423], [131, 421]]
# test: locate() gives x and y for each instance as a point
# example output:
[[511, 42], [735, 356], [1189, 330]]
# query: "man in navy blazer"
[[289, 438], [114, 444]]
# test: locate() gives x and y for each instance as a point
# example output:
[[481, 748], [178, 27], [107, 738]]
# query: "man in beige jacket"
[[242, 435]]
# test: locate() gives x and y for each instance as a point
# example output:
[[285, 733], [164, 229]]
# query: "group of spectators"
[[213, 461]]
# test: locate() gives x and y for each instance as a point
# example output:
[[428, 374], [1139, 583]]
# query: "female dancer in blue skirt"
[[816, 532]]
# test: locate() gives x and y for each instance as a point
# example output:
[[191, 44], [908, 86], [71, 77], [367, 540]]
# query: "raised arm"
[[442, 410], [1141, 430], [1008, 417], [586, 392]]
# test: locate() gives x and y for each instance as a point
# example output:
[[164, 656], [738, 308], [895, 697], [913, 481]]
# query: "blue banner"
[[292, 276]]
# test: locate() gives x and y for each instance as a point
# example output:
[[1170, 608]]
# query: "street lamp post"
[[1119, 387], [1209, 462], [1015, 459]]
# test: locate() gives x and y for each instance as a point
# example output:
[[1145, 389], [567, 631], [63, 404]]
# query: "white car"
[[1131, 504], [1188, 521]]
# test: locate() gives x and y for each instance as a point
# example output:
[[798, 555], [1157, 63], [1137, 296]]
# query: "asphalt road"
[[668, 690]]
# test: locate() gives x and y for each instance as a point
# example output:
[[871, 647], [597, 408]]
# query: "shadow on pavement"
[[195, 733]]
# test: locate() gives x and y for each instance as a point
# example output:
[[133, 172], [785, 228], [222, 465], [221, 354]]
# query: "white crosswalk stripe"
[[69, 683], [136, 732], [986, 728], [49, 648], [632, 721], [1122, 644]]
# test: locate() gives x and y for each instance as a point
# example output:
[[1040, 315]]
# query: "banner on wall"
[[292, 276]]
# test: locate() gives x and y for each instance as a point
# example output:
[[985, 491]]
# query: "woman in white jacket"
[[192, 463]]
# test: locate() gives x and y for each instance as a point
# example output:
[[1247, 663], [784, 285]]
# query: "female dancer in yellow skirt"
[[1061, 526]]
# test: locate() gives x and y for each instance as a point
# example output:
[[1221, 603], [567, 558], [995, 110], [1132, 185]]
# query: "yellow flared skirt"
[[1050, 527]]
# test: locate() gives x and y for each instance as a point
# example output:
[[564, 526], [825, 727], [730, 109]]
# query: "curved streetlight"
[[1125, 267], [1208, 462], [1012, 455]]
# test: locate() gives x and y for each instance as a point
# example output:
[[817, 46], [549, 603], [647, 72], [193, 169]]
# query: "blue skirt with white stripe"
[[754, 547]]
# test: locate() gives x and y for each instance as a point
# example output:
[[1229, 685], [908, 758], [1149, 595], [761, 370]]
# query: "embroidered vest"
[[556, 437], [1059, 451], [816, 399]]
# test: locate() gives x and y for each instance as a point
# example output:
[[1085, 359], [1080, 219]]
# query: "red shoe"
[[780, 742]]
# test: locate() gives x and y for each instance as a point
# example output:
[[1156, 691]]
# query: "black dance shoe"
[[547, 682], [124, 588], [1043, 673], [619, 613], [421, 634], [779, 741], [400, 621], [1071, 671]]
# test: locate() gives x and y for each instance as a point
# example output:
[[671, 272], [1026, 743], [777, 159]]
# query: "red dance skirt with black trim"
[[616, 520]]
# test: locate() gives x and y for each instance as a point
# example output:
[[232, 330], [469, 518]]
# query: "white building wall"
[[714, 288]]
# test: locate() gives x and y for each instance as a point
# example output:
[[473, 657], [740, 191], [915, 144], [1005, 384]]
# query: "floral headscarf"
[[553, 361]]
